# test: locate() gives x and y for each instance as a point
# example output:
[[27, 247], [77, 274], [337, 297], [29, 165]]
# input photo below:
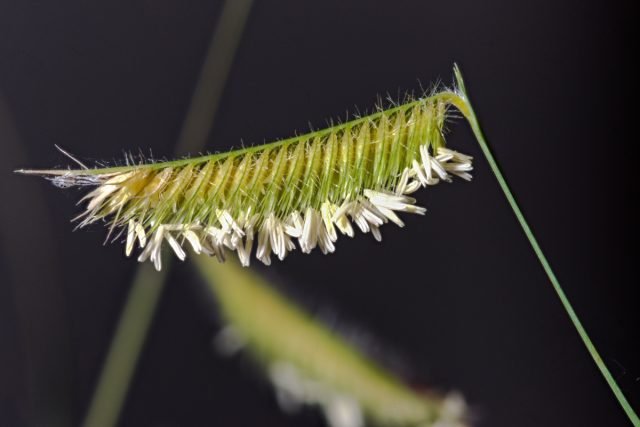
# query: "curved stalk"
[[464, 105]]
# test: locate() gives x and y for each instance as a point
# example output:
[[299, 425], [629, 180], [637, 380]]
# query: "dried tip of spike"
[[55, 172], [65, 178], [41, 172]]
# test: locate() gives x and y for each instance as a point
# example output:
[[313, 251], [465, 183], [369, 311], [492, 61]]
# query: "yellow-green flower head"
[[300, 192]]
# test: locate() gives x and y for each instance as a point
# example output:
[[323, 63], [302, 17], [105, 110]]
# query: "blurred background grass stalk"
[[146, 288], [308, 364]]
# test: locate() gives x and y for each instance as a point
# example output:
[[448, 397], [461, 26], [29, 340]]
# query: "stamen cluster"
[[311, 228]]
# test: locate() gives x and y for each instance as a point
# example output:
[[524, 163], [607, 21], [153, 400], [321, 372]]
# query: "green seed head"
[[307, 188]]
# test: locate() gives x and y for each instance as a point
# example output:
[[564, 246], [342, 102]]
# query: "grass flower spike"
[[306, 189]]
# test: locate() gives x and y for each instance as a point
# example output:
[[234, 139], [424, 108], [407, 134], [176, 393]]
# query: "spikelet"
[[308, 189]]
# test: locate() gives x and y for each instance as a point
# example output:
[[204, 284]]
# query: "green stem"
[[465, 107]]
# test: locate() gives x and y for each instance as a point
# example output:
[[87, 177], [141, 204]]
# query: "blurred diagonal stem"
[[126, 345], [467, 110], [213, 76], [146, 288], [313, 364]]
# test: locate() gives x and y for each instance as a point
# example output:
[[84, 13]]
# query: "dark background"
[[457, 296]]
